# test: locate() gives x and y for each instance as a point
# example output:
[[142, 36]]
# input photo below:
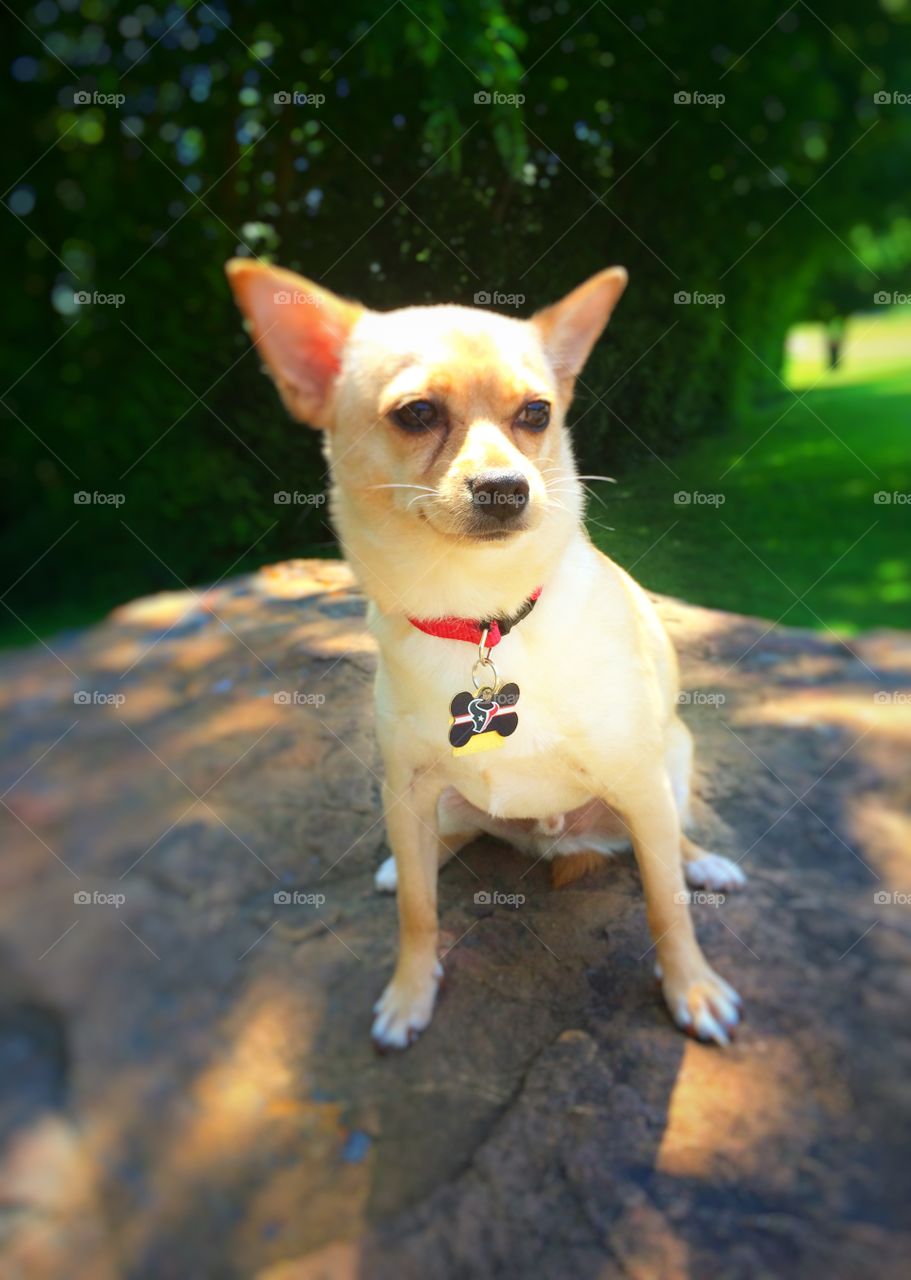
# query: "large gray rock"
[[188, 1082]]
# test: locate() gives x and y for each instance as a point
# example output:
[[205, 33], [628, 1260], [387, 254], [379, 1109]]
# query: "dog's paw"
[[386, 879], [704, 1006], [712, 871], [405, 1009]]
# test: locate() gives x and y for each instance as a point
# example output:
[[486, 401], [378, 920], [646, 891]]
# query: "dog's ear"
[[571, 327], [300, 330]]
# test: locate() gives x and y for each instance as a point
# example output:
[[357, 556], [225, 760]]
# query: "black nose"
[[500, 494]]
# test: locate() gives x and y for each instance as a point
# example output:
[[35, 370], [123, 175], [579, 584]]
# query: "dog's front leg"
[[406, 1006], [699, 1000]]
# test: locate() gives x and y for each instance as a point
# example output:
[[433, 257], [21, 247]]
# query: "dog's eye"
[[535, 416], [418, 415]]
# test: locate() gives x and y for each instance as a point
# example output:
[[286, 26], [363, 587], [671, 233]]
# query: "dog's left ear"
[[301, 331], [571, 327]]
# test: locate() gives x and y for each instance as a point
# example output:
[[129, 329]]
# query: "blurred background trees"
[[459, 149]]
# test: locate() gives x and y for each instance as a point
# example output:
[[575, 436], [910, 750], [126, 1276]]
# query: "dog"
[[525, 685]]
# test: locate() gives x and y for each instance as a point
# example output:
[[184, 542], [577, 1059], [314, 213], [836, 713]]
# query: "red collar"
[[473, 631]]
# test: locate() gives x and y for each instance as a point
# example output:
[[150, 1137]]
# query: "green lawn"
[[798, 535]]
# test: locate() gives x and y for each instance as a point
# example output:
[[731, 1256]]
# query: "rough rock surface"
[[187, 1086]]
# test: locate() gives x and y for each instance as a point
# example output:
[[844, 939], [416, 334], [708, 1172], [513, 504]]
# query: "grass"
[[786, 524]]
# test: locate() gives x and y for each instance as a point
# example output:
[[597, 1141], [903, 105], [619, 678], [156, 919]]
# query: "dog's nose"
[[501, 494]]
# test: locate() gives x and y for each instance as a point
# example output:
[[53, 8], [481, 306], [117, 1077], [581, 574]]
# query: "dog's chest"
[[534, 772], [506, 785]]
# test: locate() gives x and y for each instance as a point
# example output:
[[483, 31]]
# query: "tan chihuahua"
[[525, 684]]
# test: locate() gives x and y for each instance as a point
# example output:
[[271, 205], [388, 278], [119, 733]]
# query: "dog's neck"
[[416, 572]]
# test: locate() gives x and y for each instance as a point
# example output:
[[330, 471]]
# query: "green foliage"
[[461, 147]]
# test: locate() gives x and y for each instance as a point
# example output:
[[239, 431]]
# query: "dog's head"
[[444, 424]]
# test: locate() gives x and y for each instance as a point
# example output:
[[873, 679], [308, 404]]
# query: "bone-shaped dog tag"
[[480, 721]]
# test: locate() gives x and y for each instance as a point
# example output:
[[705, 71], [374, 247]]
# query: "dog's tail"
[[569, 867]]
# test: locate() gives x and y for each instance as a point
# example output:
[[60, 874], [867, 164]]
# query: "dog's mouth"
[[484, 528], [473, 528], [494, 535]]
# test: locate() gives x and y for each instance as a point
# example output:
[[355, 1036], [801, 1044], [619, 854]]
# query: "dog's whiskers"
[[423, 487], [431, 493]]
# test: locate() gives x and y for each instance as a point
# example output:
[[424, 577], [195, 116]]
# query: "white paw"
[[386, 879], [706, 1007], [405, 1009], [712, 871]]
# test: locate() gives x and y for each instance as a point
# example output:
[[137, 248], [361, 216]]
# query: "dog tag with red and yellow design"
[[481, 721]]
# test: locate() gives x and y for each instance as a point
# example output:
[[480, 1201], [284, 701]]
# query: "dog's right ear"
[[300, 330], [571, 327]]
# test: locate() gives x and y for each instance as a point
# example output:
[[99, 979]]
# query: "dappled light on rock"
[[189, 851]]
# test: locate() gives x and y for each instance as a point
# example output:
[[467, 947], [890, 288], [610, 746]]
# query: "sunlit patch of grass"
[[783, 518]]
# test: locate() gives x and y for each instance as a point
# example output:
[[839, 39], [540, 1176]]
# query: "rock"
[[187, 1085]]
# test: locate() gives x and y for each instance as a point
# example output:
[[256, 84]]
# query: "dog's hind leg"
[[706, 870], [702, 868], [386, 881], [458, 824]]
